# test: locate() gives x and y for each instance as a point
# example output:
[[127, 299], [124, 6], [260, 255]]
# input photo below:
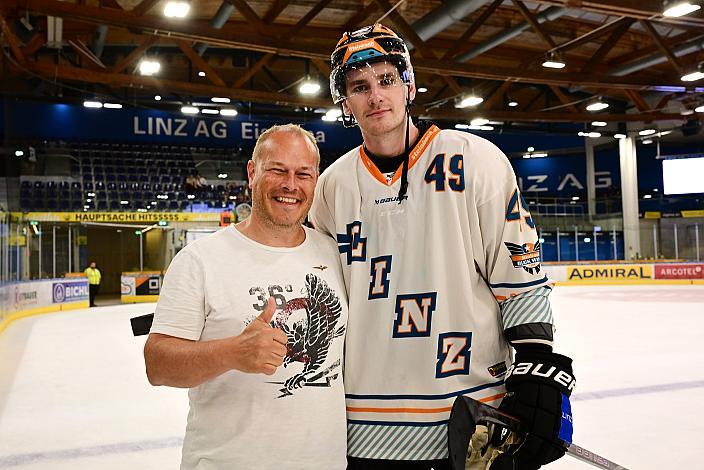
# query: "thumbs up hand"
[[260, 348]]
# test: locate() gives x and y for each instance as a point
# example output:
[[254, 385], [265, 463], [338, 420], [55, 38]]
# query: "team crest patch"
[[526, 256]]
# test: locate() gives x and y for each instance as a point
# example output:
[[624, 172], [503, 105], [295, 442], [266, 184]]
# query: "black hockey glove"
[[538, 387]]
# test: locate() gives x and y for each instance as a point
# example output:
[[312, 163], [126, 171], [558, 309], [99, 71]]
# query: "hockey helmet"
[[365, 46]]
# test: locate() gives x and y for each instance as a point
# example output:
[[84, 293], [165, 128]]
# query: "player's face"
[[376, 96], [283, 181]]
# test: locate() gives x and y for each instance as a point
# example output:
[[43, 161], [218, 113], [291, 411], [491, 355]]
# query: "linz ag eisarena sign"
[[62, 292]]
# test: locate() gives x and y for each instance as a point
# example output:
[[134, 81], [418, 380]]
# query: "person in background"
[[252, 319], [94, 276]]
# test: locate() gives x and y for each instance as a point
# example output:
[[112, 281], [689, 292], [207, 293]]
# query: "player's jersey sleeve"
[[511, 248]]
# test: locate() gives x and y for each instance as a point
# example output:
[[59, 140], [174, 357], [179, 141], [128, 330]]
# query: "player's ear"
[[412, 91], [345, 108]]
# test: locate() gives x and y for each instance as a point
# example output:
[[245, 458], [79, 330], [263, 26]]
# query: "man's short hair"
[[260, 146]]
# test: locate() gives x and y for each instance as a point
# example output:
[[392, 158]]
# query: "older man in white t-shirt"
[[252, 319]]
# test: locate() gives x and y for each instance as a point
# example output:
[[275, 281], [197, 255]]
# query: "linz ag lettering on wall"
[[179, 127], [252, 131], [544, 183]]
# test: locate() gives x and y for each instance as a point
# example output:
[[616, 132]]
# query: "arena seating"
[[125, 177]]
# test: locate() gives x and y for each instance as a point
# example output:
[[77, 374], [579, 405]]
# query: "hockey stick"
[[467, 412]]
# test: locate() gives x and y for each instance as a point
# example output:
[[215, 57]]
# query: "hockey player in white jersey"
[[441, 261]]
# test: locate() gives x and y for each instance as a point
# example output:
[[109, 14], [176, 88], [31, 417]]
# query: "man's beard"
[[258, 201]]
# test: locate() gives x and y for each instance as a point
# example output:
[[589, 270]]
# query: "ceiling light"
[[141, 210], [201, 74], [597, 106], [123, 202], [422, 90], [19, 153], [647, 196], [587, 240], [480, 128], [693, 77], [219, 99], [468, 101], [176, 9], [531, 149], [647, 141], [191, 196], [513, 104], [647, 132], [620, 136], [149, 67], [479, 121], [209, 111], [113, 105], [157, 97], [575, 198], [91, 194], [92, 104], [222, 176], [599, 124], [593, 135], [553, 61], [332, 115], [309, 87], [535, 155], [686, 112], [699, 109], [680, 9], [189, 110], [228, 112]]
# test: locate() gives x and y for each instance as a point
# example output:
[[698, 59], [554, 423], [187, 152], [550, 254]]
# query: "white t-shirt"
[[294, 419]]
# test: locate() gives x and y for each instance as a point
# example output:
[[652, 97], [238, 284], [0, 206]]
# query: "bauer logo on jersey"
[[526, 256]]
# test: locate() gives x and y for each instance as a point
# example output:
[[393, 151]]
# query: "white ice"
[[73, 393]]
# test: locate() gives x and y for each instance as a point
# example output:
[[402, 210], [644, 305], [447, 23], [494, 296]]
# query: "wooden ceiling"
[[266, 47]]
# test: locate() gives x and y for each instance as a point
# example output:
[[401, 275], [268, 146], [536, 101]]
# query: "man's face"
[[376, 96], [283, 180], [92, 265]]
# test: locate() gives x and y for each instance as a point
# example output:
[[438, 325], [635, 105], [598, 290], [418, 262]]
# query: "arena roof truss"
[[623, 51]]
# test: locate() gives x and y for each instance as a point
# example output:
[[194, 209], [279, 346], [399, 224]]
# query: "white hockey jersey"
[[425, 279]]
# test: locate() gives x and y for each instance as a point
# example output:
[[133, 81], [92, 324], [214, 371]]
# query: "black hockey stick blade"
[[142, 324], [467, 413]]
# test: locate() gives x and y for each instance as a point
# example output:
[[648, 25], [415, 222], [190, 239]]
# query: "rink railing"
[[24, 299]]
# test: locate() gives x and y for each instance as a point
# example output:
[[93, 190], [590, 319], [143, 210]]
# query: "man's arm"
[[184, 363]]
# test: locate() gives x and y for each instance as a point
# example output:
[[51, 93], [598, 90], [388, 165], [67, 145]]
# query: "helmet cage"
[[358, 53]]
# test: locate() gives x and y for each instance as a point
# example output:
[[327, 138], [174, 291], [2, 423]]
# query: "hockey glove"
[[538, 387]]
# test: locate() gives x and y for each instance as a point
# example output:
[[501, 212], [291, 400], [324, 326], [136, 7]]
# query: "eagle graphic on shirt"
[[310, 335]]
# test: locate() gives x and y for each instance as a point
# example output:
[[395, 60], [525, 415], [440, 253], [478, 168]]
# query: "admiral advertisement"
[[606, 272]]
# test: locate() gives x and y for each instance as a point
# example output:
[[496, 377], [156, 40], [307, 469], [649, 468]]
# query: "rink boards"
[[625, 274]]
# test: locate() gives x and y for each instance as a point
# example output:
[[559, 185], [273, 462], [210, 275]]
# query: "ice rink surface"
[[73, 393]]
